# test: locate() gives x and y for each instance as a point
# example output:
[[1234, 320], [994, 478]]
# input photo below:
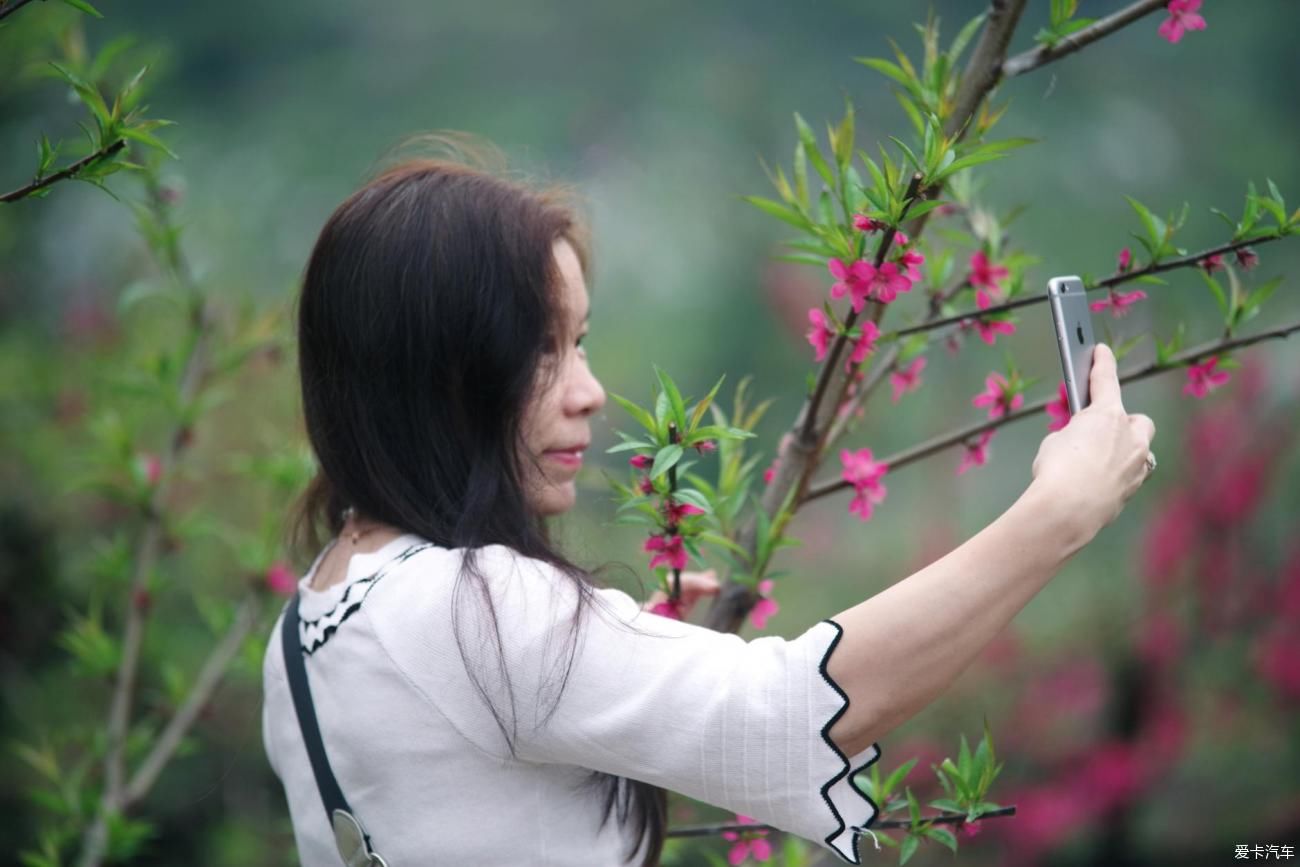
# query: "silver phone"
[[1073, 324]]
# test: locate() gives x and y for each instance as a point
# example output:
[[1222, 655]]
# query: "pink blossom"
[[1160, 644], [281, 580], [853, 279], [1247, 258], [706, 447], [754, 843], [1059, 409], [900, 239], [887, 282], [1182, 17], [820, 333], [865, 474], [863, 223], [674, 512], [1125, 261], [668, 608], [866, 343], [907, 379], [150, 466], [1114, 774], [646, 485], [976, 455], [1170, 538], [770, 472], [1234, 489], [670, 552], [765, 607], [910, 260], [1203, 378], [997, 396], [984, 276], [970, 829], [641, 462], [1212, 263], [990, 328], [1277, 659], [1118, 302]]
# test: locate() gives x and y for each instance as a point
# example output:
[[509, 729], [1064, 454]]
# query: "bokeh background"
[[1144, 703]]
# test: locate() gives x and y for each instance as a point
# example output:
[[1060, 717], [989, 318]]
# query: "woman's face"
[[555, 426]]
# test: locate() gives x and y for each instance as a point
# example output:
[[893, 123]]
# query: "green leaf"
[[1149, 222], [84, 7], [947, 804], [943, 836], [149, 139], [778, 210], [694, 498], [666, 458], [809, 139], [674, 398], [801, 174], [1219, 296], [703, 405], [628, 446], [908, 849]]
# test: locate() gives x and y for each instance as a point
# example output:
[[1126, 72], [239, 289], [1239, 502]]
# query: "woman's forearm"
[[904, 646]]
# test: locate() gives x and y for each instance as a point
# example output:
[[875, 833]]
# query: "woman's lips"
[[572, 459]]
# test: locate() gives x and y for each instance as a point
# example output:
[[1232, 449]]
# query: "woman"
[[483, 700]]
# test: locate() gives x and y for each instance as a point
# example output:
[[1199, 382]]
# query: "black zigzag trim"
[[858, 830], [369, 581]]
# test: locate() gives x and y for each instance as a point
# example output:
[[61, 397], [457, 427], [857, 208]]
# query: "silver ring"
[[1151, 461]]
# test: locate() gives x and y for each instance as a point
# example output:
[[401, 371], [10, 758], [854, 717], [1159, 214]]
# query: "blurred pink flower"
[[641, 462], [820, 333], [1059, 410], [911, 260], [865, 474], [863, 223], [997, 396], [866, 342], [1125, 261], [667, 608], [765, 607], [674, 512], [976, 455], [1182, 17], [984, 276], [908, 378], [1171, 535], [1202, 378], [1113, 774], [706, 447], [854, 280], [150, 467], [887, 282], [756, 844], [1277, 660], [1212, 263], [646, 485], [1247, 258], [1160, 641], [281, 580], [667, 552], [989, 328], [1118, 302]]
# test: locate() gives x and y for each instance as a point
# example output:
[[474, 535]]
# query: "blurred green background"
[[659, 115]]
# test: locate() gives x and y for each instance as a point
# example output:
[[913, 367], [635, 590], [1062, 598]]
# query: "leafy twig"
[[1066, 45]]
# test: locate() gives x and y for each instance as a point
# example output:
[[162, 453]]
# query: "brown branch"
[[7, 9], [947, 440], [735, 599], [209, 677], [943, 818], [1044, 54], [1116, 279], [64, 173], [831, 364], [95, 841]]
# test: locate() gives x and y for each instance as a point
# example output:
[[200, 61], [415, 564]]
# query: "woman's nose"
[[587, 394]]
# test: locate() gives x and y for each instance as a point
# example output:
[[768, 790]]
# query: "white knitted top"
[[740, 724]]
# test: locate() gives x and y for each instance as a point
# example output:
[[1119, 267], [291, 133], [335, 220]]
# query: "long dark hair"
[[428, 303]]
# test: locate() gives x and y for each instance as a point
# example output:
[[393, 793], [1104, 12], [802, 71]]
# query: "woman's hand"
[[694, 586]]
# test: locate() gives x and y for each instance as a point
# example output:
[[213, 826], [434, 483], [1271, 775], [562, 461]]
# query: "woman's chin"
[[558, 498]]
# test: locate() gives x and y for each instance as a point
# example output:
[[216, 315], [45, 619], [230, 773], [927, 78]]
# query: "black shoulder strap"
[[330, 793]]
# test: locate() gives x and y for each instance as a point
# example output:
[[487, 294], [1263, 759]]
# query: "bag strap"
[[353, 843]]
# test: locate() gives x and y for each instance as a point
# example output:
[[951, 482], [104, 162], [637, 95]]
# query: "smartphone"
[[1073, 325]]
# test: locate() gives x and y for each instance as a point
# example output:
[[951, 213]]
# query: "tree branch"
[[7, 9], [95, 841], [945, 441], [1043, 54], [209, 678], [1116, 279], [942, 818], [64, 173]]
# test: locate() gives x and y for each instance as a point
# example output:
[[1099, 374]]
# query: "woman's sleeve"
[[739, 724]]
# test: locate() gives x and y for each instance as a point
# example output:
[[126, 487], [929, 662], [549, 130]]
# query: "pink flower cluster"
[[1182, 17], [864, 473], [751, 843]]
